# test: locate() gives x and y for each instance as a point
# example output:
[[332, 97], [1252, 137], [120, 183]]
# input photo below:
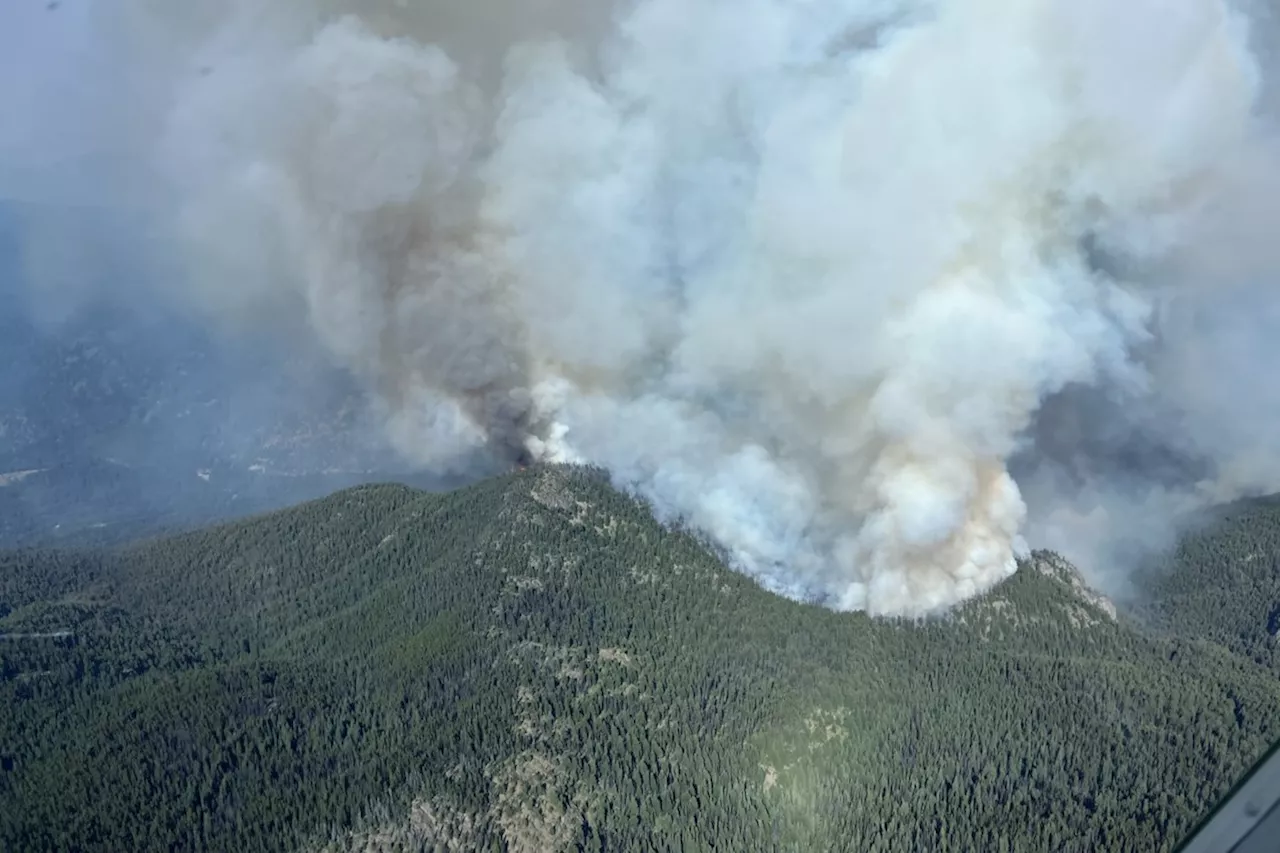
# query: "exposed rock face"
[[1055, 566]]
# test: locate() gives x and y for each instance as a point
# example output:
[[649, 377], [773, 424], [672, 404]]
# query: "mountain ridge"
[[534, 663]]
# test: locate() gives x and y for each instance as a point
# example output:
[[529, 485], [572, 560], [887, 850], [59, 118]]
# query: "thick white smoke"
[[809, 275]]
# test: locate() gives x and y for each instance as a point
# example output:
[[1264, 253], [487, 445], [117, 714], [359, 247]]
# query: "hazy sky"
[[44, 55], [55, 110]]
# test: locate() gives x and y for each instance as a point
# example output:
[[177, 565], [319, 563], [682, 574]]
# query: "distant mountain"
[[107, 501], [125, 418], [532, 663]]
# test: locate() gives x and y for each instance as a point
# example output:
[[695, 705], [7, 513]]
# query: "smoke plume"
[[867, 291]]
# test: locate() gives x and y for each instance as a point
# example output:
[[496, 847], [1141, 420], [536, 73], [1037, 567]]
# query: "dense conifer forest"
[[533, 664]]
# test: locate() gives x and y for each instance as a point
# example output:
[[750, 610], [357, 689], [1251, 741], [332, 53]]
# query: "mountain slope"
[[1222, 583], [532, 663]]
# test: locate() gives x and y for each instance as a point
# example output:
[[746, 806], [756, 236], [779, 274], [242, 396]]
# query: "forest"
[[533, 663]]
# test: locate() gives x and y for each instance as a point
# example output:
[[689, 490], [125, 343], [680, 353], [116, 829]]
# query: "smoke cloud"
[[868, 291]]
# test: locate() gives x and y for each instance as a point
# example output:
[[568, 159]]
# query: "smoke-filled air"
[[874, 294]]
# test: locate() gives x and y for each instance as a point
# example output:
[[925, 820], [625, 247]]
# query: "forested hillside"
[[532, 663], [1222, 583]]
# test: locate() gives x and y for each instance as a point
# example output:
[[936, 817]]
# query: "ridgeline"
[[532, 663]]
